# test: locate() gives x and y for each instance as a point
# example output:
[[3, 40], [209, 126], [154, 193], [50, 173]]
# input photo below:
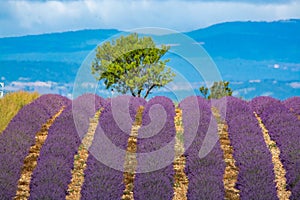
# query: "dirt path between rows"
[[130, 158], [30, 162], [231, 170], [279, 170], [180, 178], [80, 159]]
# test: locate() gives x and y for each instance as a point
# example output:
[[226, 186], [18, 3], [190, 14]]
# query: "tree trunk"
[[149, 89], [139, 93], [132, 93]]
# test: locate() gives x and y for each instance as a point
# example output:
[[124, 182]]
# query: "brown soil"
[[30, 162], [180, 179], [231, 170], [130, 157], [80, 159], [279, 171]]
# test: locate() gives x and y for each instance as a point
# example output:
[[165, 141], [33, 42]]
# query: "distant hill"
[[278, 40], [72, 41], [243, 51], [248, 40]]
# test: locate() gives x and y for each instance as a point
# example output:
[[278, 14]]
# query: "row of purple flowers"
[[253, 158], [293, 104], [103, 177], [52, 175], [204, 170], [284, 129], [19, 136], [155, 148]]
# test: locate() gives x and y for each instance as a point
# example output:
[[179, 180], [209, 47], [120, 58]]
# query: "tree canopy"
[[217, 90], [133, 65]]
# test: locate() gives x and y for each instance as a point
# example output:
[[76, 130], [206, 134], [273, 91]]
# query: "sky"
[[27, 17]]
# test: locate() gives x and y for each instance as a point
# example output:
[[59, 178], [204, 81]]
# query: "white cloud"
[[12, 88], [32, 84], [276, 66], [24, 79], [89, 85], [199, 43], [236, 82], [295, 85], [243, 91], [177, 86], [40, 87], [254, 81], [173, 45], [267, 94], [247, 90], [32, 17]]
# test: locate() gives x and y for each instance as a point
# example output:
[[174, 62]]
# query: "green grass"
[[10, 105]]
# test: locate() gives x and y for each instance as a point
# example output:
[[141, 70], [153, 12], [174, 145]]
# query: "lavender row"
[[253, 158], [119, 115], [53, 172], [84, 108], [104, 172], [293, 104], [157, 128], [284, 129], [51, 102], [155, 151], [19, 136], [52, 175], [135, 103], [102, 181], [204, 160]]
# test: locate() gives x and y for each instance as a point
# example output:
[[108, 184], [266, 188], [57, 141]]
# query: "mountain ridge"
[[242, 51]]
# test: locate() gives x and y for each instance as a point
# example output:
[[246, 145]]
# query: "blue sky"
[[25, 17]]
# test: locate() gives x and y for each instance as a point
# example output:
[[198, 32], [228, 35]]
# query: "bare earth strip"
[[130, 157], [180, 178], [231, 170], [80, 159], [30, 162], [279, 171]]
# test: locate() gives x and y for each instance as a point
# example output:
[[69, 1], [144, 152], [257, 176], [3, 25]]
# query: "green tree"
[[133, 65], [217, 90], [204, 91]]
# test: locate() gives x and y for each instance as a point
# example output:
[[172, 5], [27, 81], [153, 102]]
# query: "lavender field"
[[127, 148]]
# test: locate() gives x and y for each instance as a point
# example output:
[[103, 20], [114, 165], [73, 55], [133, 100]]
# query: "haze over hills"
[[253, 40], [258, 58]]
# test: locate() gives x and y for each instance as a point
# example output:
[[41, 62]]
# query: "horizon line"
[[119, 30]]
